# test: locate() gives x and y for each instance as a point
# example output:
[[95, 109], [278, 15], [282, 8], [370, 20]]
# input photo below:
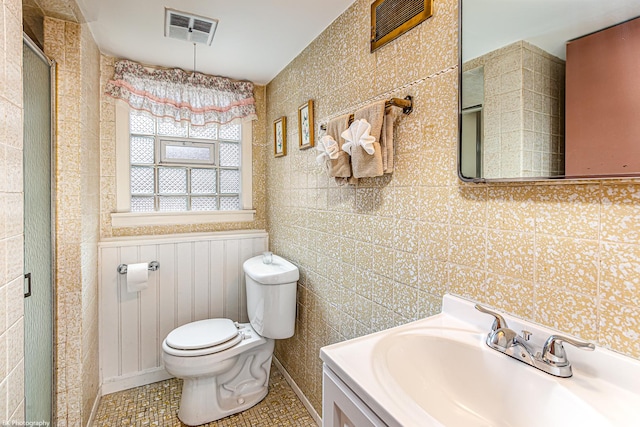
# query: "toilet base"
[[239, 383]]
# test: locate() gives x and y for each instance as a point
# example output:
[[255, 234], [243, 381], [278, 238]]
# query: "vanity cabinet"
[[341, 407]]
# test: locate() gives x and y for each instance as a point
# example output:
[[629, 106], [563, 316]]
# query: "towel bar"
[[406, 104], [153, 266]]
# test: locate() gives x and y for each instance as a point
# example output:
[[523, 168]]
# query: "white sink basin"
[[449, 374], [439, 372]]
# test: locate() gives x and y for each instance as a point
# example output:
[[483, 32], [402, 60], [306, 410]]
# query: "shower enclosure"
[[38, 78]]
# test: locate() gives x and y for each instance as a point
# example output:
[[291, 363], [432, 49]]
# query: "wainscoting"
[[200, 277]]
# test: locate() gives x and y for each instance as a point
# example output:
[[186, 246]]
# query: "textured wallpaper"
[[77, 151], [385, 252], [11, 223]]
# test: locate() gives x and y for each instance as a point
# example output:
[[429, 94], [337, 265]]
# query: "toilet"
[[225, 365]]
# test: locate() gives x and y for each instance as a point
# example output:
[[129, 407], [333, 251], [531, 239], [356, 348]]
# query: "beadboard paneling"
[[200, 277]]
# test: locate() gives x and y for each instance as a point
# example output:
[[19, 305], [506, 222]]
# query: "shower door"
[[38, 236]]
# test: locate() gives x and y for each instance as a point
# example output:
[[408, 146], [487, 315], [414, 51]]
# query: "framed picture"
[[280, 137], [305, 125]]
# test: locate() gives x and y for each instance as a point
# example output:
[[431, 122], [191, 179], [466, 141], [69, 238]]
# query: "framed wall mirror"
[[549, 89]]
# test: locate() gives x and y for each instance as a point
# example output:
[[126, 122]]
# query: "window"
[[177, 167], [178, 172]]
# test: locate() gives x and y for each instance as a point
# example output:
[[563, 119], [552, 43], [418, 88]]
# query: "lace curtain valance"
[[182, 96]]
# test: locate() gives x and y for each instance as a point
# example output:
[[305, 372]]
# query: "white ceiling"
[[255, 39], [549, 24]]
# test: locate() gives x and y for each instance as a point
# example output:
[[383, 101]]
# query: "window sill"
[[141, 219]]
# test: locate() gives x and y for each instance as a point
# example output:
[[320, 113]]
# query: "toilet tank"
[[271, 296]]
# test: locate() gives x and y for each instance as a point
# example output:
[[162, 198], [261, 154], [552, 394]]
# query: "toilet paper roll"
[[137, 277]]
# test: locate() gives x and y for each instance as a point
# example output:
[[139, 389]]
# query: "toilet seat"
[[202, 337]]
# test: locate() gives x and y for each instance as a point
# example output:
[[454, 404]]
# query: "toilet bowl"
[[225, 365]]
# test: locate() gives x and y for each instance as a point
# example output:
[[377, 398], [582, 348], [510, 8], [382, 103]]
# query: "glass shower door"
[[38, 302]]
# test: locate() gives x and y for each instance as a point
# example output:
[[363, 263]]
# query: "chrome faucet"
[[552, 359]]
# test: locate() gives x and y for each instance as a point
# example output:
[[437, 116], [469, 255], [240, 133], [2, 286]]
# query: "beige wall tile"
[[532, 250], [382, 292], [568, 311], [621, 213], [468, 206], [619, 328], [406, 268], [567, 264], [432, 276], [78, 214], [15, 387], [439, 167], [407, 203], [3, 352], [510, 254], [383, 261], [407, 235], [435, 242], [468, 246], [568, 210], [11, 212], [435, 204], [512, 295], [405, 301], [511, 208], [620, 274], [467, 282]]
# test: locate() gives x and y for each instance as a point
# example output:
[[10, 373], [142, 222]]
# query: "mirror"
[[549, 89]]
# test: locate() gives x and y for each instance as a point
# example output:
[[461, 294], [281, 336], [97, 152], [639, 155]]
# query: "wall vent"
[[189, 27], [392, 18]]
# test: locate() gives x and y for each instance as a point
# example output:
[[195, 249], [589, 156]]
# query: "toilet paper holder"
[[153, 266]]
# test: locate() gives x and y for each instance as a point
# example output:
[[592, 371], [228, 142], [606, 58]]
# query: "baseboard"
[[138, 379], [298, 392], [94, 409]]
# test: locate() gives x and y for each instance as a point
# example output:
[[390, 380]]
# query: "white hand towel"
[[358, 135], [137, 277], [328, 148]]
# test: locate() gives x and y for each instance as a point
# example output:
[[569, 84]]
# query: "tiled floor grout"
[[157, 405]]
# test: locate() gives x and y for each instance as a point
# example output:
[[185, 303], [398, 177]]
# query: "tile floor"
[[157, 405]]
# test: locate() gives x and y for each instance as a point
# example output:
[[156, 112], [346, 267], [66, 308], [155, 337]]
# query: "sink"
[[439, 372], [450, 375]]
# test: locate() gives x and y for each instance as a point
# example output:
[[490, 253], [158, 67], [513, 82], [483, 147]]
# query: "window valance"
[[182, 96]]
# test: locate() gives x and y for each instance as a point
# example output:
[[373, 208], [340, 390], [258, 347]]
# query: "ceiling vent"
[[188, 27]]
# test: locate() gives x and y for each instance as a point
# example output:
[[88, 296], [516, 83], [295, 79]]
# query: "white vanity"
[[439, 371]]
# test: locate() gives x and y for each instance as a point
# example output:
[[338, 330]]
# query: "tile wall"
[[77, 217], [108, 170], [543, 76], [90, 216], [11, 212], [384, 253], [523, 103]]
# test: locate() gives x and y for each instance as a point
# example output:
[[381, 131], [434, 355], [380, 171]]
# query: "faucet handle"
[[553, 350], [499, 321]]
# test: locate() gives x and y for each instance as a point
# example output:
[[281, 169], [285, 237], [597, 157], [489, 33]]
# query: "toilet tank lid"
[[280, 271]]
